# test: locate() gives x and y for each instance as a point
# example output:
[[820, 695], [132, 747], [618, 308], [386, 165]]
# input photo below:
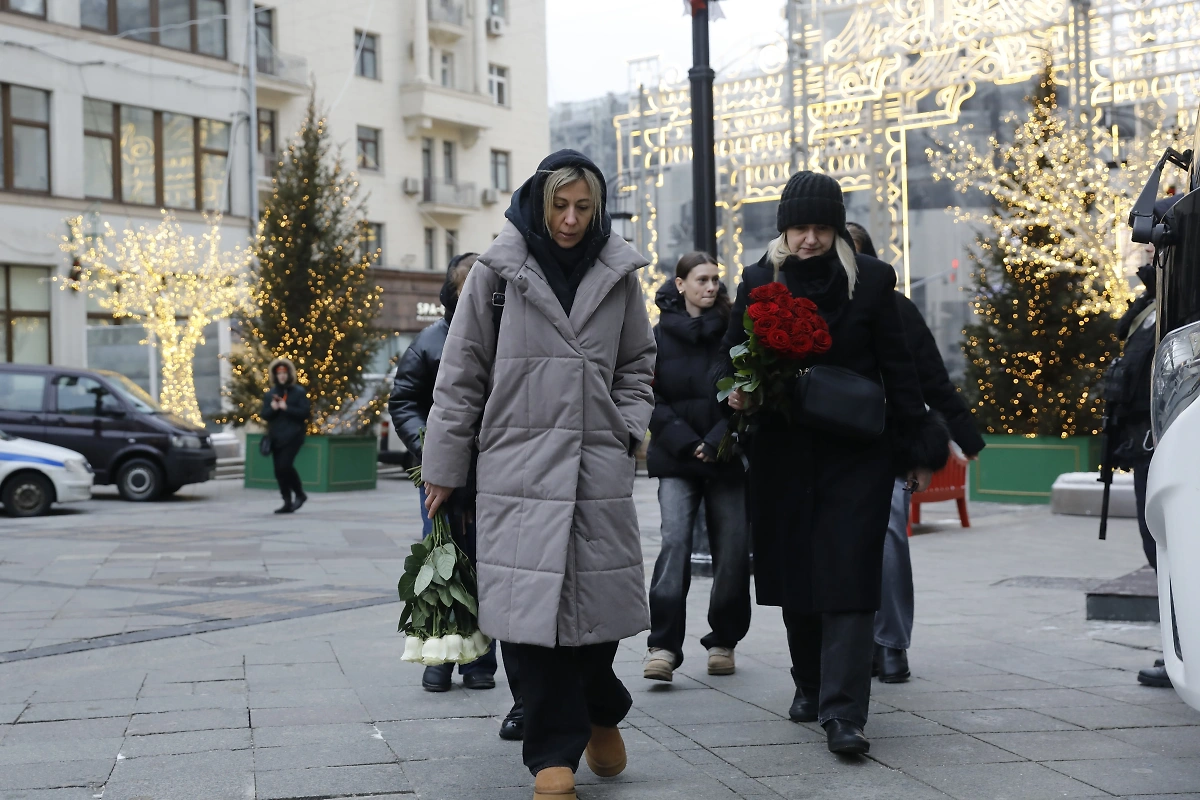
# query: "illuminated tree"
[[315, 303], [1049, 278], [171, 284]]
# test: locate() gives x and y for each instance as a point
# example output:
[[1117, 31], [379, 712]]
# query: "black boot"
[[846, 738], [437, 679], [300, 498], [803, 709], [893, 664], [287, 506], [513, 726], [1155, 676]]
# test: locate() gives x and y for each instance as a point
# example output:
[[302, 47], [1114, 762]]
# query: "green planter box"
[[1018, 469], [325, 464]]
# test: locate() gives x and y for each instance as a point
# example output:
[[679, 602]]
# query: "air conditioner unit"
[[412, 186], [495, 26], [490, 197]]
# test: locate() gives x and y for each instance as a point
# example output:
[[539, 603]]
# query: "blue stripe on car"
[[30, 459]]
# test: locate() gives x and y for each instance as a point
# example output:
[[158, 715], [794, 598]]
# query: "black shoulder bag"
[[840, 401]]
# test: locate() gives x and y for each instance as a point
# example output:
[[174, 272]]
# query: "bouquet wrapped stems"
[[441, 613]]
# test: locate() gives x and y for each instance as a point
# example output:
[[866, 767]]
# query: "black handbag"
[[264, 446], [842, 402]]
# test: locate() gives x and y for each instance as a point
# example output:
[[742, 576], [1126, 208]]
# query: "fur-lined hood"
[[282, 362]]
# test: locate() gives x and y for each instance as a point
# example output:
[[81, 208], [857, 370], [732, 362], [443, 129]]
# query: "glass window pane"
[[266, 130], [30, 340], [173, 18], [85, 397], [137, 155], [94, 14], [179, 161], [30, 288], [31, 158], [134, 15], [216, 193], [3, 291], [97, 167], [214, 135], [210, 32], [36, 7], [97, 116], [20, 392], [31, 105]]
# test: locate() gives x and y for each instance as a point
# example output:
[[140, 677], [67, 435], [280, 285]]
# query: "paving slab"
[[186, 776], [1135, 776], [1012, 781]]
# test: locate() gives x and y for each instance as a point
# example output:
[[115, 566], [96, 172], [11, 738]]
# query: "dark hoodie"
[[686, 412], [564, 267], [289, 425]]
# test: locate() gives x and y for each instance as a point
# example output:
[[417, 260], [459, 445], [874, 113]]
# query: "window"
[[368, 148], [34, 8], [448, 160], [25, 314], [429, 249], [197, 26], [373, 241], [500, 171], [367, 47], [451, 244], [498, 84], [266, 131], [448, 70], [264, 39], [165, 159], [81, 396], [498, 8], [24, 138], [22, 392]]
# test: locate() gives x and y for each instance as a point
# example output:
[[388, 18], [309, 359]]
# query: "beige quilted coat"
[[560, 556]]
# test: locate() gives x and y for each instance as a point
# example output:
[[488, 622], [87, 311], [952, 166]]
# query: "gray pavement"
[[205, 648]]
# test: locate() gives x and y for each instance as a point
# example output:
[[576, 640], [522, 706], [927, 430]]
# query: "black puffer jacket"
[[412, 389], [940, 393], [686, 412]]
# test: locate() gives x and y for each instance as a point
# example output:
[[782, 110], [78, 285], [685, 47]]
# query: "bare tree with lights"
[[172, 284], [314, 301]]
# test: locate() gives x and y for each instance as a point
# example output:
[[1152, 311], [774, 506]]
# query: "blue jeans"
[[426, 522], [894, 619]]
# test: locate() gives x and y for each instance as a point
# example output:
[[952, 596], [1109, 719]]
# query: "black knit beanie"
[[811, 198]]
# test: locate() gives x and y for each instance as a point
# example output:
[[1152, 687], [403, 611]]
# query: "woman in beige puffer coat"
[[564, 389]]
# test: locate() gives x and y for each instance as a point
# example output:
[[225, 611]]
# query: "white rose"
[[412, 649], [481, 642], [433, 652], [468, 653], [454, 647]]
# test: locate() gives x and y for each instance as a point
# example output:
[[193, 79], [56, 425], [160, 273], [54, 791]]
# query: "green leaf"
[[405, 616], [443, 562], [406, 587], [421, 549], [463, 596], [445, 596], [725, 384], [748, 324], [739, 350], [419, 616], [412, 564], [424, 578]]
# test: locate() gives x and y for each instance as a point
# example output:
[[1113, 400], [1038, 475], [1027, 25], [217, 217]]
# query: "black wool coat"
[[289, 425], [819, 503], [686, 412]]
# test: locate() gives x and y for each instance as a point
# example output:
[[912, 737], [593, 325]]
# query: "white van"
[[34, 475]]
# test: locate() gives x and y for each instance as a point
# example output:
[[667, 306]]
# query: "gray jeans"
[[724, 504], [894, 620]]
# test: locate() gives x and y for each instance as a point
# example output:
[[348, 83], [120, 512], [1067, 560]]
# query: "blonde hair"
[[777, 253], [565, 176], [458, 275]]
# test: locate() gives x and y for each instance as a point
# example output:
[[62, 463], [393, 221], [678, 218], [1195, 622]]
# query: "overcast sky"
[[588, 43]]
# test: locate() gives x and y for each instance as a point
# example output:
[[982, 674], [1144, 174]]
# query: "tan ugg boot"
[[554, 783], [606, 752]]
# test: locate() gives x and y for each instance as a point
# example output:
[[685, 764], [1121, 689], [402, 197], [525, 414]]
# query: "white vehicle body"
[[68, 471]]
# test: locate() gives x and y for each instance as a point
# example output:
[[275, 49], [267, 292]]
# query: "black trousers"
[[566, 690], [1140, 475], [831, 661], [284, 457]]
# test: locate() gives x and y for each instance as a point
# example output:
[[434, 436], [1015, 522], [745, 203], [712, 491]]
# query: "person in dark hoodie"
[[685, 432], [894, 619], [563, 385], [285, 409]]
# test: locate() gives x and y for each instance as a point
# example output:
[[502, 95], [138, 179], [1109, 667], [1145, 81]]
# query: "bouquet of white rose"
[[438, 588]]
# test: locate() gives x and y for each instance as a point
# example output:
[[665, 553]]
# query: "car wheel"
[[140, 480], [28, 494]]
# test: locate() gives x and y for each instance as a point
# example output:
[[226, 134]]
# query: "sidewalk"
[[205, 648]]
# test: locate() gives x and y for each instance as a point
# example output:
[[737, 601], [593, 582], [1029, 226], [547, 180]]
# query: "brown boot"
[[554, 783], [606, 752]]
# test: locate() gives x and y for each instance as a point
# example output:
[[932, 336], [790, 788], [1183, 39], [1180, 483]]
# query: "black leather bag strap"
[[498, 306]]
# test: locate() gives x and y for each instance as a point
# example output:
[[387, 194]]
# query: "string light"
[[171, 284]]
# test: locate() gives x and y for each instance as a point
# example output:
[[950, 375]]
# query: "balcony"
[[282, 71], [447, 21], [423, 104], [447, 197]]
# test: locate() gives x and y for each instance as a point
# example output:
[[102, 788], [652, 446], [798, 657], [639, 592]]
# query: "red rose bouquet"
[[783, 330]]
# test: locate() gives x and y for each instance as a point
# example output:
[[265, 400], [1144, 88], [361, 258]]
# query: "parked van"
[[34, 475], [109, 420]]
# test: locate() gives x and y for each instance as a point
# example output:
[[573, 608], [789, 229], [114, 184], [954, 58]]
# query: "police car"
[[34, 475]]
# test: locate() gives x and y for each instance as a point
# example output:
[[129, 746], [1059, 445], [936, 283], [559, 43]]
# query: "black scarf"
[[708, 327], [821, 279], [564, 267]]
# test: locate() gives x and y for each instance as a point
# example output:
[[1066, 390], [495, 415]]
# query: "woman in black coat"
[[685, 432], [819, 501], [285, 409]]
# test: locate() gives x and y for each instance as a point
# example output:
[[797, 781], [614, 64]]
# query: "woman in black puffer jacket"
[[685, 430]]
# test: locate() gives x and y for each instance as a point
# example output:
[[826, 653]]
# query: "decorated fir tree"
[[316, 304], [1049, 280]]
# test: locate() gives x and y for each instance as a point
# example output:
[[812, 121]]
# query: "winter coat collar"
[[707, 327]]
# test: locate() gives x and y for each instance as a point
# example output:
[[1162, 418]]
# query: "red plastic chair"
[[949, 483]]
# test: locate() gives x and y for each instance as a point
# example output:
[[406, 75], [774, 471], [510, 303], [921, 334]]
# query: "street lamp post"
[[704, 169]]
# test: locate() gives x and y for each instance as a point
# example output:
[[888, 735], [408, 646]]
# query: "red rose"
[[822, 341], [764, 309], [804, 302], [770, 292], [778, 341], [765, 325], [802, 345]]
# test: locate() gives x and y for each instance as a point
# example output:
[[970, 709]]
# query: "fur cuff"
[[920, 442]]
